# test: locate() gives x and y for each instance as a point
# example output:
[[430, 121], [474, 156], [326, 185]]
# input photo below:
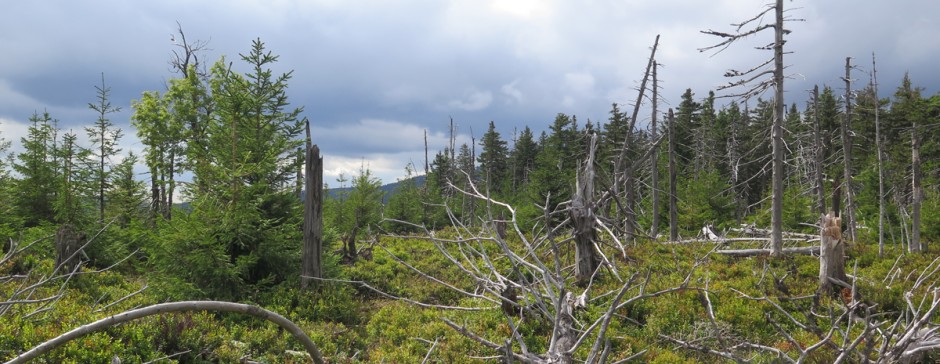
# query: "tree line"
[[238, 137]]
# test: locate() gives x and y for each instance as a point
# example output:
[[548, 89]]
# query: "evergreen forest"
[[733, 226]]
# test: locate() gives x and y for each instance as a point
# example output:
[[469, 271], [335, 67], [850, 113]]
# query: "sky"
[[374, 75]]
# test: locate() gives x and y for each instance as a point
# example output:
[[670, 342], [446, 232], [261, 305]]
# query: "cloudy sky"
[[374, 74]]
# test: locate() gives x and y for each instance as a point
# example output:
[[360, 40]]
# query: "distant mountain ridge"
[[388, 189]]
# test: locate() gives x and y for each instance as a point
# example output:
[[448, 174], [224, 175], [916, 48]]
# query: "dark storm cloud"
[[372, 75]]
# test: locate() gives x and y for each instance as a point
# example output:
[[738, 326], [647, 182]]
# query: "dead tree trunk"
[[776, 214], [831, 254], [312, 257], [673, 209], [68, 242], [628, 169], [564, 337], [917, 191], [847, 153], [654, 159], [818, 157], [880, 149], [583, 219]]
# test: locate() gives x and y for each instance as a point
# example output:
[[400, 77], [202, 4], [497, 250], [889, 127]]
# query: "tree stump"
[[583, 220], [312, 254], [68, 242], [831, 253]]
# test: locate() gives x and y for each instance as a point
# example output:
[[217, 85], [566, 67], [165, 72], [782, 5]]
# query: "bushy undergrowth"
[[354, 324]]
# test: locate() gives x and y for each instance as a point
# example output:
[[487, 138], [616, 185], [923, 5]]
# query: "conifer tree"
[[493, 160], [104, 138], [75, 179], [523, 157], [127, 194], [36, 187]]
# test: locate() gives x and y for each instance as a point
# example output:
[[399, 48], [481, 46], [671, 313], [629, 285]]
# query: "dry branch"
[[173, 307]]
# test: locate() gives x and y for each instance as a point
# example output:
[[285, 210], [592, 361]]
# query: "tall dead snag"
[[917, 191], [880, 149], [312, 255], [818, 157], [673, 209], [750, 78], [831, 253], [654, 165], [68, 242], [776, 213], [627, 169], [847, 153], [583, 220]]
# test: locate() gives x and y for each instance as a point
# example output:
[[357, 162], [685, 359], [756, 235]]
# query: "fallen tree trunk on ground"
[[173, 307], [755, 252]]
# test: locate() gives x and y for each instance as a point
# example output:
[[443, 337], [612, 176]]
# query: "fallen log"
[[809, 250]]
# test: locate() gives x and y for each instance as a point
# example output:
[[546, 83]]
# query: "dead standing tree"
[[312, 256], [847, 154], [625, 171], [582, 218], [756, 82], [537, 284]]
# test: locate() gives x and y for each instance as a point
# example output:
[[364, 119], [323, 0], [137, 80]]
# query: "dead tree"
[[162, 308], [673, 208], [68, 246], [583, 220], [537, 284], [847, 154], [818, 156], [312, 257], [628, 170], [856, 332], [654, 160], [917, 191], [185, 61], [831, 254], [752, 79], [879, 143]]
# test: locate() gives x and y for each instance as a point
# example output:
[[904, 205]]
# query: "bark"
[[740, 253], [312, 257], [68, 241], [847, 154], [185, 306], [917, 191], [820, 149], [880, 150], [776, 215], [628, 170], [583, 219], [673, 209], [831, 253], [654, 159], [564, 336], [424, 188]]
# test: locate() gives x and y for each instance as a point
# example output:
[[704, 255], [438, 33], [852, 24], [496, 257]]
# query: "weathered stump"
[[312, 254], [584, 221], [68, 242], [831, 253]]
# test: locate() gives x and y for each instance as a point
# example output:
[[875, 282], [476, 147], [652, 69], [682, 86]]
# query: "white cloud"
[[581, 83], [12, 131], [525, 9], [511, 90], [474, 101], [10, 98]]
